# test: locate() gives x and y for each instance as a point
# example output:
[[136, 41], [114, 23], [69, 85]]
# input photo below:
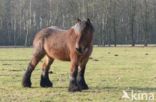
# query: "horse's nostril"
[[79, 50]]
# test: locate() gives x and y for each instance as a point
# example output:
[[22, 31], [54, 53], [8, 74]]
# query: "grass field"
[[109, 72]]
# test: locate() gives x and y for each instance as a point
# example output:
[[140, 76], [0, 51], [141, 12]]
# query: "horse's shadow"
[[112, 89], [14, 60]]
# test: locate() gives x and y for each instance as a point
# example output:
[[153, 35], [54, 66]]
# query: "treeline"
[[115, 21]]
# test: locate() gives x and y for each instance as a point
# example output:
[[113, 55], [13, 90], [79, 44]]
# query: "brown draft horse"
[[74, 45]]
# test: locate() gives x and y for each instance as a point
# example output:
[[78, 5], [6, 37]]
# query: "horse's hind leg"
[[45, 82], [37, 56]]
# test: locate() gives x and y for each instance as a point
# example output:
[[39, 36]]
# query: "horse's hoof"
[[26, 84], [46, 83], [74, 88], [84, 87]]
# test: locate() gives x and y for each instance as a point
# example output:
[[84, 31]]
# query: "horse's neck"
[[71, 32]]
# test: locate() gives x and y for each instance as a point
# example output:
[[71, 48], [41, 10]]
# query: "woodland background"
[[115, 21]]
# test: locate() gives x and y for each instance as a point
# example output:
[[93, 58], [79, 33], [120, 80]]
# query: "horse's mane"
[[56, 28], [76, 27]]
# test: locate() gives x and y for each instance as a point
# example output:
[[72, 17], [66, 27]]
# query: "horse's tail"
[[38, 43]]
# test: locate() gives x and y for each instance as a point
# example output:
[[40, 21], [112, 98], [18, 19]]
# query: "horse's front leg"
[[73, 86], [80, 77]]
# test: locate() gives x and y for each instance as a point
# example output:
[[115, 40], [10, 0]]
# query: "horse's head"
[[84, 31]]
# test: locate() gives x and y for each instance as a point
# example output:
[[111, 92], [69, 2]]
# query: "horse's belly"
[[63, 57], [59, 54]]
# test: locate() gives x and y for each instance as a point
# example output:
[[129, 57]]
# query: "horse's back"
[[46, 33], [53, 41]]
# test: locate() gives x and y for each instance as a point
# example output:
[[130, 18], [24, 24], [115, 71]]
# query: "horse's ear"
[[78, 20], [88, 20]]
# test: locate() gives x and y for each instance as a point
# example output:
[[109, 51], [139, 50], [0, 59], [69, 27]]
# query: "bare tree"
[[115, 21], [132, 14]]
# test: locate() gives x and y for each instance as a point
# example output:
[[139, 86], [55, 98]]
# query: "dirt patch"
[[6, 64], [146, 54], [116, 55], [109, 52], [15, 70], [50, 72], [93, 59]]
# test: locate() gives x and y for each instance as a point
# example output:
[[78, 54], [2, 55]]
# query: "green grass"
[[110, 71]]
